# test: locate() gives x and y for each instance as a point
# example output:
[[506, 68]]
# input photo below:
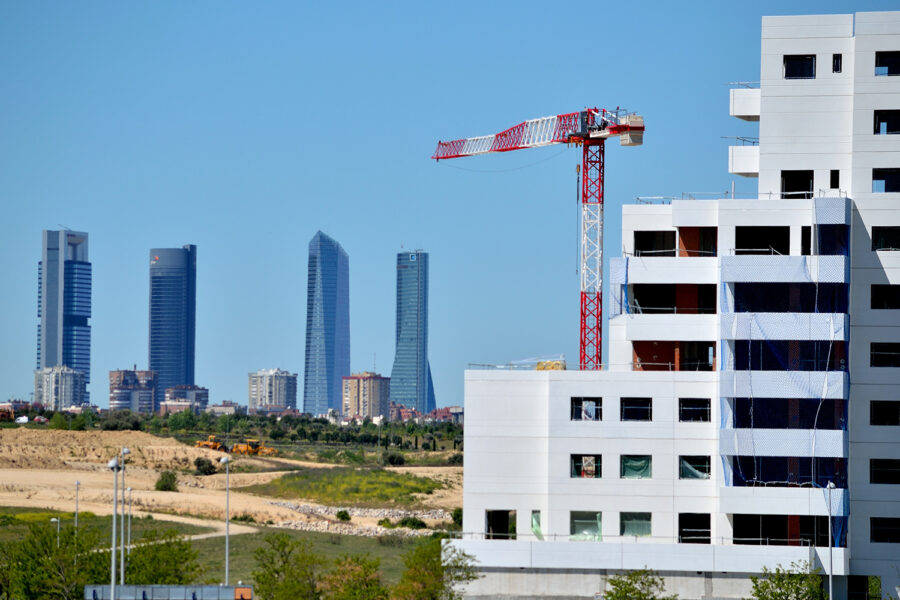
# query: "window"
[[806, 240], [796, 184], [587, 466], [799, 66], [585, 526], [885, 297], [693, 410], [762, 240], [693, 528], [636, 409], [654, 243], [789, 413], [884, 470], [636, 466], [835, 182], [887, 63], [693, 467], [886, 238], [586, 409], [634, 523], [833, 240], [885, 181], [836, 63], [536, 524], [884, 412], [884, 530], [884, 354], [864, 587], [500, 524], [887, 122]]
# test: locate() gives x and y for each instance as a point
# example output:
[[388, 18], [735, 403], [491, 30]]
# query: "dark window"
[[787, 530], [885, 296], [636, 409], [864, 587], [884, 412], [886, 238], [667, 298], [788, 471], [635, 466], [654, 243], [887, 63], [884, 470], [789, 413], [835, 182], [693, 410], [635, 523], [806, 240], [884, 530], [833, 240], [885, 181], [796, 184], [762, 240], [693, 467], [586, 409], [693, 528], [500, 524], [790, 355], [884, 354], [799, 66], [887, 122], [588, 466], [836, 63]]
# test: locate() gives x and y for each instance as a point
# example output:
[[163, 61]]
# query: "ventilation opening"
[[884, 413], [796, 184], [799, 66], [762, 240], [791, 297], [654, 243], [886, 238], [885, 181], [693, 528], [885, 297], [789, 413], [697, 241], [681, 298], [500, 524], [887, 122], [887, 63]]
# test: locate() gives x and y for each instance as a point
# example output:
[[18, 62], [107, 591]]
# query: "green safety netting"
[[688, 467], [637, 524], [585, 526], [636, 467], [536, 524]]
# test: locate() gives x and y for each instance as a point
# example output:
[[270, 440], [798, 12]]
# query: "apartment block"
[[59, 387], [272, 388], [366, 395], [132, 390]]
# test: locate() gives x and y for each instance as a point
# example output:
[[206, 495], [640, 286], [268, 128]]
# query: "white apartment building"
[[753, 359], [272, 388], [59, 388]]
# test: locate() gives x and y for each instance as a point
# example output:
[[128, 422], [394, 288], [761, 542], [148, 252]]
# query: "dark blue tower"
[[411, 383], [327, 325], [173, 303]]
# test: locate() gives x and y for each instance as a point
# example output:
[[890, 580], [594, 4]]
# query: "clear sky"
[[245, 127]]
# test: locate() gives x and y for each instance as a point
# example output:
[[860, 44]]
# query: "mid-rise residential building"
[[173, 308], [196, 395], [748, 414], [132, 390], [411, 384], [366, 395], [59, 388], [64, 302], [327, 325], [270, 388]]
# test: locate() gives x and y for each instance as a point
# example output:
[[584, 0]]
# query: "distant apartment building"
[[272, 388], [366, 395], [132, 390], [228, 407], [64, 303], [196, 395], [327, 325], [59, 388]]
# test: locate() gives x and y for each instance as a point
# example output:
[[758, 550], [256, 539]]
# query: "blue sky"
[[244, 128]]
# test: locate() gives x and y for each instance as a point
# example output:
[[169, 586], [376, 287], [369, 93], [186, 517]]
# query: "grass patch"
[[346, 486]]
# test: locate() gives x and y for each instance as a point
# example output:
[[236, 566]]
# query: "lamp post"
[[55, 520], [77, 483], [225, 461], [830, 487], [125, 452], [114, 466], [129, 521]]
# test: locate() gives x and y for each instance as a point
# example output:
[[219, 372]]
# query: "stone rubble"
[[377, 513]]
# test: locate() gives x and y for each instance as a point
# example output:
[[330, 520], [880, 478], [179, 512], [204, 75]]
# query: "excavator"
[[253, 447], [212, 442]]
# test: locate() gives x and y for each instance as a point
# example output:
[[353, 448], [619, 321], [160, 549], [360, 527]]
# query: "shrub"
[[58, 421], [455, 459], [412, 523], [456, 515], [243, 518], [204, 466], [386, 523], [394, 459], [167, 482], [343, 515]]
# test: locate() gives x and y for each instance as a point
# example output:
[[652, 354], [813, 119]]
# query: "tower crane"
[[589, 128]]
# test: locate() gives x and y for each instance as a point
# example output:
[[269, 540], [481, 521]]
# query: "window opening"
[[884, 530], [693, 410], [796, 184], [693, 467], [884, 413], [885, 238], [790, 355], [536, 524], [887, 63], [864, 587], [634, 466], [762, 240], [790, 413], [799, 66], [654, 243], [697, 356], [693, 528], [788, 530], [697, 241], [805, 240], [884, 354], [885, 181], [788, 471], [884, 470], [667, 298], [836, 63], [587, 466], [586, 408], [887, 122], [833, 240], [885, 296], [636, 409], [635, 523], [500, 524], [835, 179], [585, 526], [791, 297]]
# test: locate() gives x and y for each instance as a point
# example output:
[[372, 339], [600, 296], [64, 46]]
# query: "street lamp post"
[[125, 452], [114, 466], [77, 483], [129, 521], [226, 461], [830, 487], [55, 520]]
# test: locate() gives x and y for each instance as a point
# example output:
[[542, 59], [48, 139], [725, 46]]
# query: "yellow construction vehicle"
[[212, 442], [253, 447]]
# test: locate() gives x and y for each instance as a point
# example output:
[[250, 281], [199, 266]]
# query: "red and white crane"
[[590, 128]]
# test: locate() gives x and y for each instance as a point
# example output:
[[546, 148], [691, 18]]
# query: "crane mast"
[[590, 128]]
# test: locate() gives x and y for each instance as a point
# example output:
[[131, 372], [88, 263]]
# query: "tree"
[[286, 569], [204, 466], [433, 572], [58, 421], [163, 558], [44, 570], [7, 569], [800, 582], [167, 482], [353, 578], [182, 420], [642, 584]]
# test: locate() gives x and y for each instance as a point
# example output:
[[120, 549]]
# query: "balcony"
[[782, 500], [784, 384], [775, 268], [784, 326], [745, 103], [783, 442], [670, 328], [743, 160]]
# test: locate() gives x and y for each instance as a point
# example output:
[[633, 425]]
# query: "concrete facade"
[[366, 395], [272, 387]]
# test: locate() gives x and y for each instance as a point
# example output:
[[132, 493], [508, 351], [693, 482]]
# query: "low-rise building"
[[198, 396]]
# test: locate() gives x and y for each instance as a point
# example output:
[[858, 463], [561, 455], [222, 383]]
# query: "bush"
[[58, 421], [167, 482], [343, 515], [386, 523], [456, 515], [455, 459], [412, 523], [394, 459], [204, 466], [243, 518]]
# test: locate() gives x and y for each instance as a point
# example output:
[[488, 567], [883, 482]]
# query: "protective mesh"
[[618, 283]]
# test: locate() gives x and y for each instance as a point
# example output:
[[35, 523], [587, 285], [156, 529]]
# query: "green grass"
[[325, 545], [348, 486], [14, 522]]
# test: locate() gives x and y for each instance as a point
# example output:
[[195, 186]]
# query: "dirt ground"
[[39, 468]]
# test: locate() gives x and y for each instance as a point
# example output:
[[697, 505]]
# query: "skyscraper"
[[327, 325], [173, 299], [411, 376], [64, 302]]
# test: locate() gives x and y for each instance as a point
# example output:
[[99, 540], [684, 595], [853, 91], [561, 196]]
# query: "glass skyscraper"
[[64, 302], [327, 325], [411, 384], [173, 303]]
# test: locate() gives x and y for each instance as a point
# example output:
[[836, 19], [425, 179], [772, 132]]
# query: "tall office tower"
[[59, 387], [132, 390], [173, 301], [411, 384], [750, 404], [272, 387], [366, 395], [327, 325], [64, 303]]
